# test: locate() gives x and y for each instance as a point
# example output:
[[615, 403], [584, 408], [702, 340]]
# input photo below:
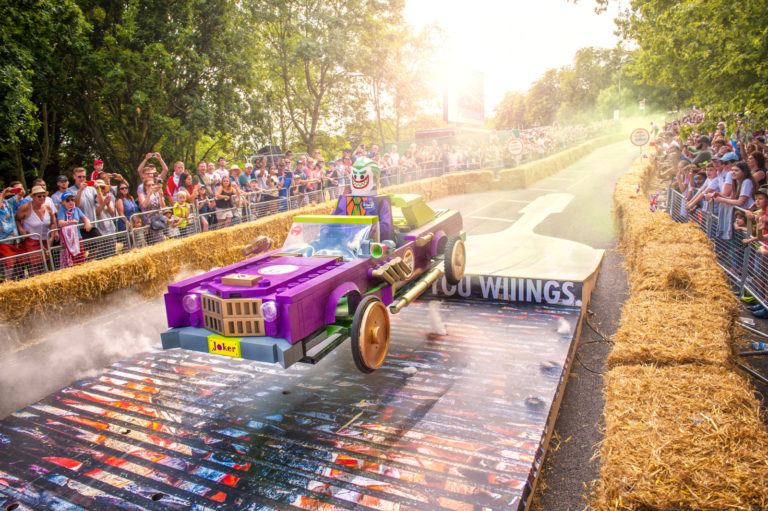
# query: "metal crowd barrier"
[[742, 262], [24, 264], [100, 246]]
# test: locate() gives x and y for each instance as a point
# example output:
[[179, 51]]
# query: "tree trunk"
[[19, 165]]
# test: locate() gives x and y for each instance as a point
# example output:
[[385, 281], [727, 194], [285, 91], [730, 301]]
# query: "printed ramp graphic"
[[518, 251]]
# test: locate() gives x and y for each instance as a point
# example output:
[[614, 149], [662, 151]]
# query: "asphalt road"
[[133, 325]]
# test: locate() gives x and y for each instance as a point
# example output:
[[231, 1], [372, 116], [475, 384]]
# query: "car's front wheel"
[[370, 334]]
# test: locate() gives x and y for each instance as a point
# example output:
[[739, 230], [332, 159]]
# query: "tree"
[[397, 65], [312, 50], [38, 44], [161, 75], [510, 112], [543, 100], [713, 52]]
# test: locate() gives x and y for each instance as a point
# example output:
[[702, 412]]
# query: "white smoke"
[[124, 325]]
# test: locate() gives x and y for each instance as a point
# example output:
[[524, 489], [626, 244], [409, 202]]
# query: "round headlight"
[[191, 303], [269, 311]]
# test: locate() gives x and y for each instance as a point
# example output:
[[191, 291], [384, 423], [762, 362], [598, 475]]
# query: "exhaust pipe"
[[417, 289]]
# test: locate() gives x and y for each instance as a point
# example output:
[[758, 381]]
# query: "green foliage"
[[715, 50], [39, 42], [163, 74]]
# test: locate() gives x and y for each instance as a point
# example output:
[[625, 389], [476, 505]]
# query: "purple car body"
[[305, 292]]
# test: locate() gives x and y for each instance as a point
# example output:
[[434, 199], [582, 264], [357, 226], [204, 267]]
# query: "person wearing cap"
[[246, 177], [724, 173], [98, 166], [36, 217], [757, 211], [68, 216], [62, 183]]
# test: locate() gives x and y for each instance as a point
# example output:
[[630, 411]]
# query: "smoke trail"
[[126, 326]]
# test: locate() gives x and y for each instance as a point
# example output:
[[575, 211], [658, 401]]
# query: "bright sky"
[[514, 41]]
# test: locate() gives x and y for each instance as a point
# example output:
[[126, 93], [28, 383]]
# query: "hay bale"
[[685, 437], [532, 172], [662, 330]]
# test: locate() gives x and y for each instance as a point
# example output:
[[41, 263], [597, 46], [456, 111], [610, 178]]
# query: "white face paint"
[[363, 181]]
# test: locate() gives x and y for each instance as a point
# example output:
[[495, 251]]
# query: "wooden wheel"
[[455, 260], [370, 334]]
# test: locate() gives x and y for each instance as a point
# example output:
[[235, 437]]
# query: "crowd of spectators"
[[97, 205], [721, 172]]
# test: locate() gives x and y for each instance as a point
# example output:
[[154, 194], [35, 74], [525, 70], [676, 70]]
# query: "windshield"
[[331, 239]]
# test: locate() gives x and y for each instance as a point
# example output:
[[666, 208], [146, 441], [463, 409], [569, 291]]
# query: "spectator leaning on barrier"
[[62, 183], [246, 177], [226, 197], [36, 217], [181, 211], [125, 206], [9, 205], [743, 187], [68, 216]]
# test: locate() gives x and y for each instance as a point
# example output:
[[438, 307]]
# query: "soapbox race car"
[[336, 276]]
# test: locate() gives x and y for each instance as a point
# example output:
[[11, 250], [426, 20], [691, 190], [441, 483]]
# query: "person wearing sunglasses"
[[125, 205], [36, 217]]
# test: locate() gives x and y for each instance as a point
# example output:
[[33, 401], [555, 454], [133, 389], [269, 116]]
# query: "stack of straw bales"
[[682, 429], [527, 174]]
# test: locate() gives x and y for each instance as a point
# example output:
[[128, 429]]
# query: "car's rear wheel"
[[455, 260], [370, 334]]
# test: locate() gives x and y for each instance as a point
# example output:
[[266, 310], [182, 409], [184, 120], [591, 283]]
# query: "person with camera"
[[10, 199], [85, 200], [147, 169]]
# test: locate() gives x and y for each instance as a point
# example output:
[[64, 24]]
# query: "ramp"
[[458, 421]]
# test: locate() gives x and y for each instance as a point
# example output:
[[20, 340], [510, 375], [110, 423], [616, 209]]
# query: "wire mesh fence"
[[101, 241], [27, 257], [732, 231]]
